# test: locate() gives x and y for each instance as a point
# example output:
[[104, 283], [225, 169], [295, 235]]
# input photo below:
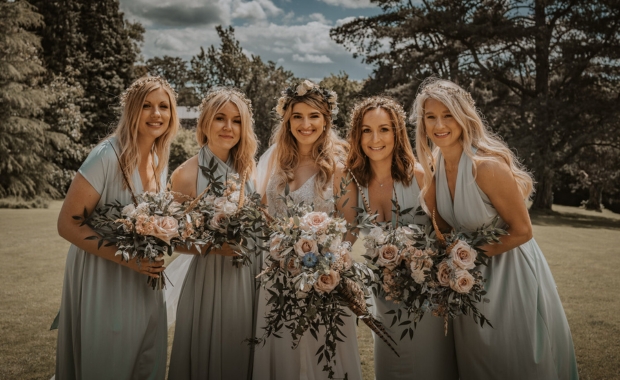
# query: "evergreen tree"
[[89, 41], [176, 72], [545, 73], [23, 168]]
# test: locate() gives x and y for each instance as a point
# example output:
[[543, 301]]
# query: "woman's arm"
[[350, 198], [83, 196], [184, 181], [497, 181]]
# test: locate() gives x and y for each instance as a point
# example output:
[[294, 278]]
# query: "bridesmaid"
[[304, 155], [112, 325], [216, 306], [477, 178], [382, 162]]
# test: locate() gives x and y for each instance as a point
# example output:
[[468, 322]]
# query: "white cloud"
[[319, 18], [345, 20], [312, 58], [169, 43], [350, 3], [249, 11]]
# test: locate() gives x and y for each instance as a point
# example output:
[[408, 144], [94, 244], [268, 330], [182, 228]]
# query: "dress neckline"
[[304, 184]]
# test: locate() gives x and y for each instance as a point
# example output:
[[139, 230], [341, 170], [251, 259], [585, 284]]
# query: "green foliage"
[[229, 66], [23, 136], [20, 203], [545, 74], [92, 38], [175, 71], [348, 90], [183, 147]]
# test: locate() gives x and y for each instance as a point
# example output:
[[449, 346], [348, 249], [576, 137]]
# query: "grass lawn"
[[582, 248]]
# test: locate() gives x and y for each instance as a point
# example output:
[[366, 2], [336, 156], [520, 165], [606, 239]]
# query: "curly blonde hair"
[[326, 151], [476, 133], [403, 160], [126, 130], [243, 153]]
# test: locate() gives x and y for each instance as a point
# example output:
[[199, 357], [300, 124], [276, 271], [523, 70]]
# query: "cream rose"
[[293, 267], [315, 221], [223, 205], [305, 245], [165, 228], [129, 210], [444, 272], [376, 234], [274, 246], [389, 256], [144, 224], [418, 275], [217, 220], [463, 256], [234, 196], [462, 281], [327, 282]]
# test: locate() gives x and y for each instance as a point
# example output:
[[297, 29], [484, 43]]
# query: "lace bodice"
[[305, 193]]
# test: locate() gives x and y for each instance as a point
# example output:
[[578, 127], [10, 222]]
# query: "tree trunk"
[[544, 191], [596, 197]]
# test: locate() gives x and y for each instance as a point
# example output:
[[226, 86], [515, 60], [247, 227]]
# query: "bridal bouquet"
[[312, 278], [146, 229], [231, 215]]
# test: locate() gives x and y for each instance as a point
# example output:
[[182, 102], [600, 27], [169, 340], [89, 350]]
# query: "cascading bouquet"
[[146, 229], [312, 277], [231, 215]]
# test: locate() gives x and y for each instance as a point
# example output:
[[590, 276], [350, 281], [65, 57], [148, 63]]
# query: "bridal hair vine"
[[214, 91], [304, 88], [135, 86], [431, 85]]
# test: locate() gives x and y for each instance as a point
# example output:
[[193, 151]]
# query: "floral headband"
[[214, 91], [304, 88], [135, 86], [454, 91]]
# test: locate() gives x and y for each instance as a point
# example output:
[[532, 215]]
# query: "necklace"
[[381, 184]]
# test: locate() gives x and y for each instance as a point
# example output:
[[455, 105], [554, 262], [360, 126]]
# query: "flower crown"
[[304, 88], [428, 86], [135, 86], [214, 91]]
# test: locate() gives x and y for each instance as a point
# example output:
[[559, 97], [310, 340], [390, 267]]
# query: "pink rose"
[[217, 220], [463, 256], [444, 272], [462, 282], [389, 256], [292, 266], [144, 224], [327, 282], [165, 228], [315, 221], [304, 245]]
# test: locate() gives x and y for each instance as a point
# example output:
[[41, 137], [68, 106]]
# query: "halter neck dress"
[[430, 354], [530, 338], [112, 324], [276, 360], [216, 310]]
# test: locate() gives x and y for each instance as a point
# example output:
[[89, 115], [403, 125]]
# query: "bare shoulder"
[[493, 172], [418, 172], [183, 179]]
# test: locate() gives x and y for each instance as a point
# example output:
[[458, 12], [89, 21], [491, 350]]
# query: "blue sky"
[[294, 33]]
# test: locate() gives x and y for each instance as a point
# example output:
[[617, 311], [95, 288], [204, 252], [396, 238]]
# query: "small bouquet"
[[148, 228], [230, 216], [312, 278], [454, 284]]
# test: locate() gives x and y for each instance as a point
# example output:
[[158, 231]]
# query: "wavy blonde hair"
[[126, 131], [476, 133], [403, 160], [326, 151], [243, 153]]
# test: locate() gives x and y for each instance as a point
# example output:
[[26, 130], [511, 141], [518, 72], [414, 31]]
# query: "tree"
[[176, 72], [23, 168], [546, 72], [90, 39], [348, 90], [228, 65]]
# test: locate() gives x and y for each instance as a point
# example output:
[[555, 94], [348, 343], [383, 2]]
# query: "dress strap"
[[127, 183]]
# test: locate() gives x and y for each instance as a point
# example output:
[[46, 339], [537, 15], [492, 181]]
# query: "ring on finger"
[[150, 269]]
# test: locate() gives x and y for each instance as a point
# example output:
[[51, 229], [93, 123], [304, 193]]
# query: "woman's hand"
[[145, 266]]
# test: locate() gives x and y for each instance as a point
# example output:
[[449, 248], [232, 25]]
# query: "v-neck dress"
[[112, 324], [276, 360], [216, 310], [431, 353], [531, 338]]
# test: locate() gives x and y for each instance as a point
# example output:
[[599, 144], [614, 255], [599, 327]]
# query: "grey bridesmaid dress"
[[431, 353], [112, 324], [530, 338], [216, 310]]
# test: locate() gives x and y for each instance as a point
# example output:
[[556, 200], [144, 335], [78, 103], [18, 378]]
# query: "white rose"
[[377, 234], [129, 210], [463, 256], [234, 196], [315, 222]]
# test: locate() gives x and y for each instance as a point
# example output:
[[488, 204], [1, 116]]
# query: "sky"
[[293, 33]]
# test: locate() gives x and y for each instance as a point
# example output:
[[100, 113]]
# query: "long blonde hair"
[[243, 152], [326, 151], [476, 133], [126, 131], [403, 160]]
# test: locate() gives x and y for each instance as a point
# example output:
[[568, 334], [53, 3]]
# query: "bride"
[[304, 155]]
